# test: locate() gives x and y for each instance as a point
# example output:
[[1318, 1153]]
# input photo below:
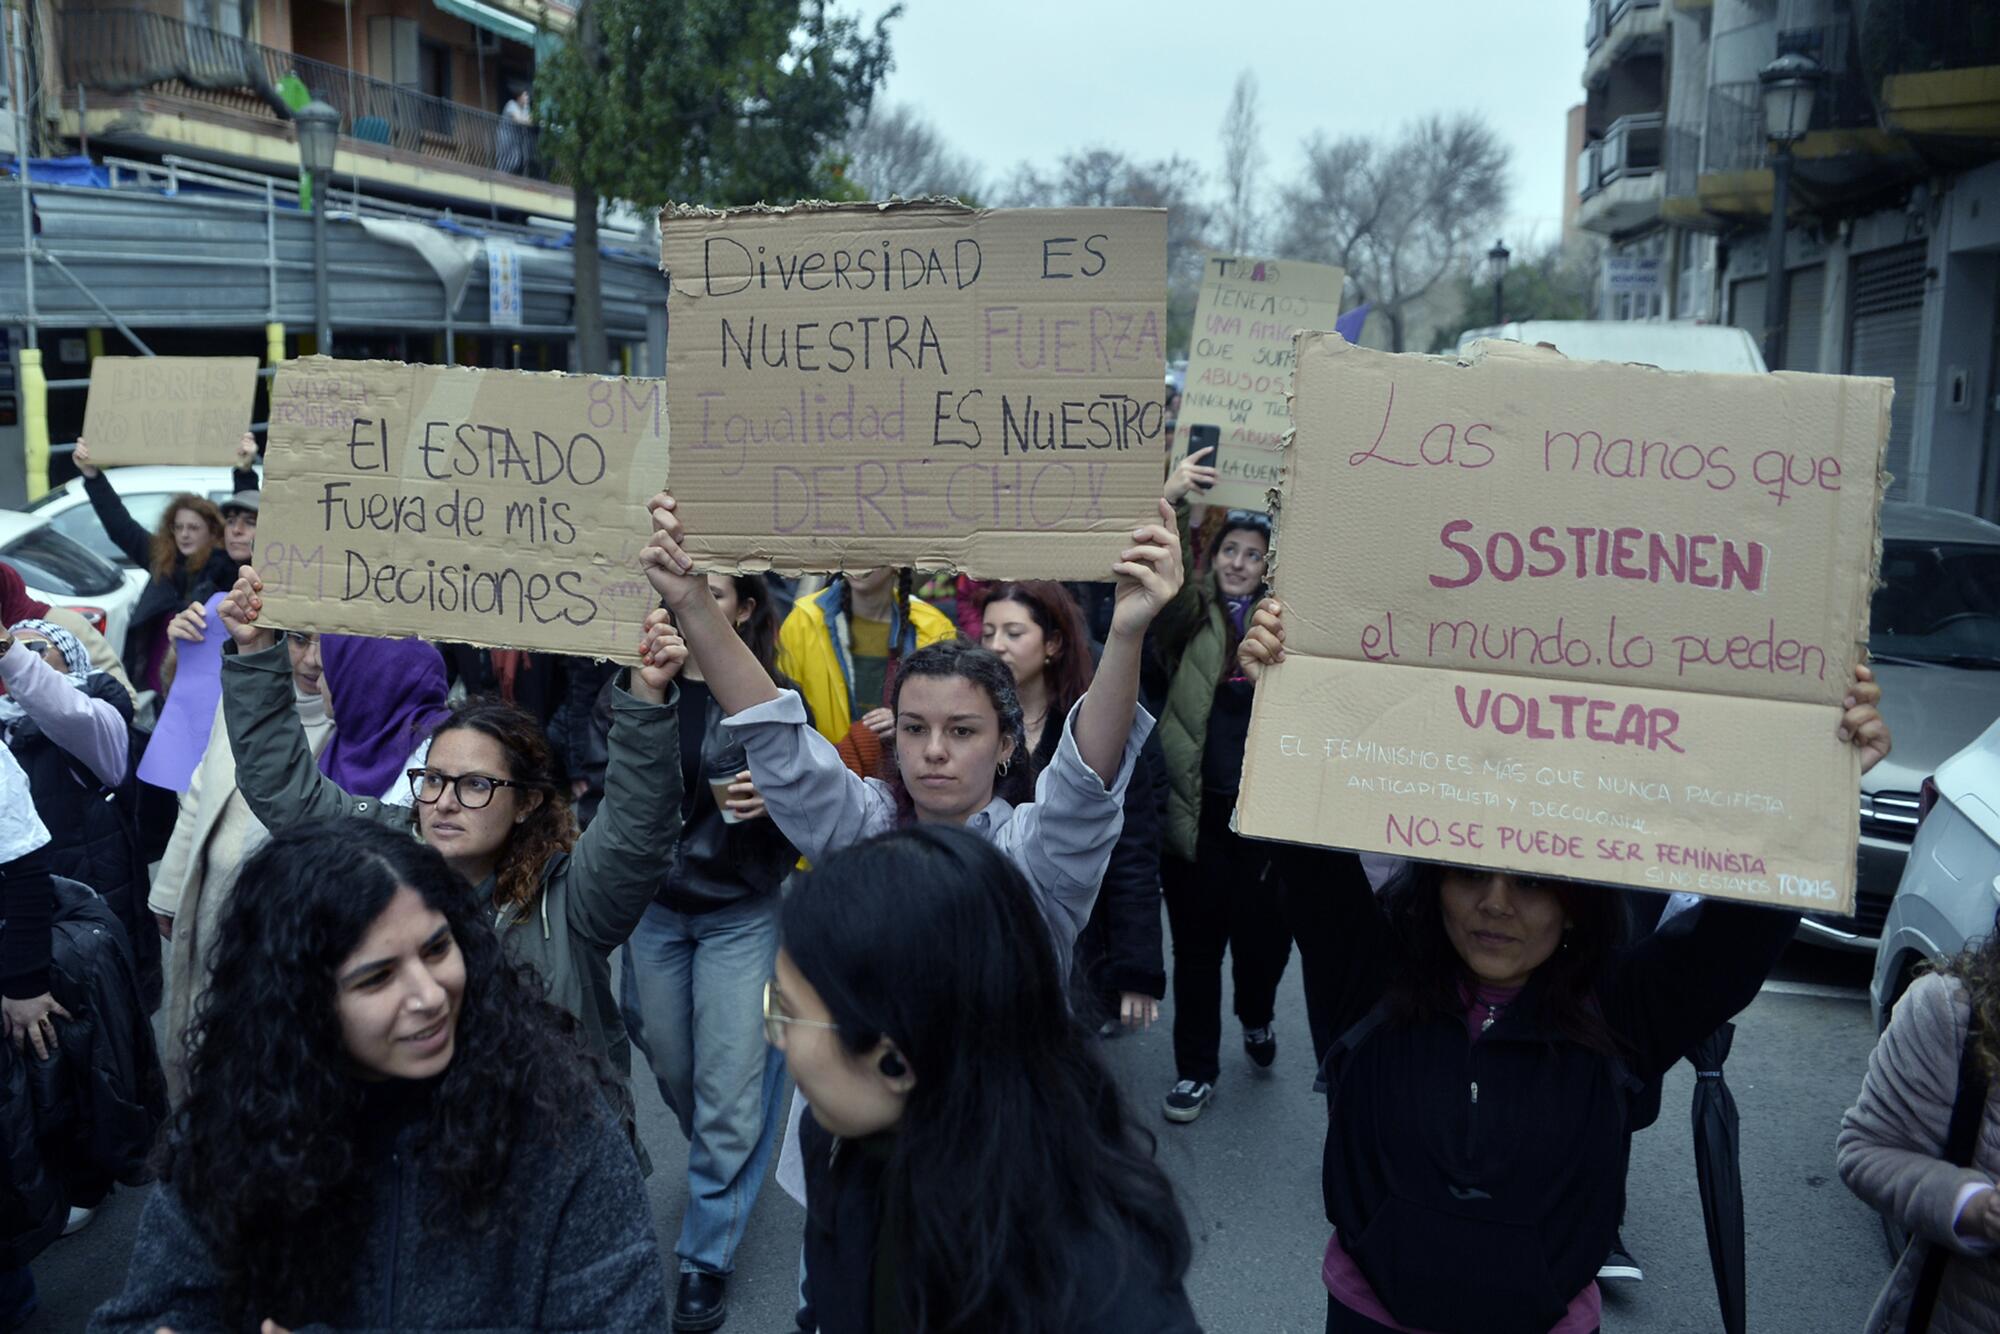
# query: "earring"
[[1003, 767], [892, 1065]]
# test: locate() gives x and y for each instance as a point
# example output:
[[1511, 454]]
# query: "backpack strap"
[[1968, 1110], [1348, 1041]]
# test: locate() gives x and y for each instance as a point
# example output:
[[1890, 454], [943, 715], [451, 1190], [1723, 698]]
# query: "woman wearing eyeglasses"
[[969, 1161], [489, 798]]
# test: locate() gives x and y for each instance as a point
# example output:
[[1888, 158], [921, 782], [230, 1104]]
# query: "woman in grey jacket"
[[386, 1127], [1892, 1140], [489, 801]]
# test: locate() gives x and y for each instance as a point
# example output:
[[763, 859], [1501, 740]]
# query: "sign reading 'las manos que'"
[[916, 384], [486, 507], [1574, 619]]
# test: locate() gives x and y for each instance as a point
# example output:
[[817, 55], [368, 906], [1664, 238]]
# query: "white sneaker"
[[79, 1219]]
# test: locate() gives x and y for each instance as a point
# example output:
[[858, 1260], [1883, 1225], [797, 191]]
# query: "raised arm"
[[125, 534], [1180, 618], [735, 677], [1149, 578], [243, 477], [275, 770], [616, 867], [86, 727]]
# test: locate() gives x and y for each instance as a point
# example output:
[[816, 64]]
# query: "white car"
[[1950, 890], [64, 573], [145, 489]]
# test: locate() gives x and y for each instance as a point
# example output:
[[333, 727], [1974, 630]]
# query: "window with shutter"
[[1884, 324]]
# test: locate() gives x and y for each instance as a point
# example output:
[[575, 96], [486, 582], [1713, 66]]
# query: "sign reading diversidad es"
[[186, 410], [1572, 618], [1240, 366], [489, 507], [916, 384]]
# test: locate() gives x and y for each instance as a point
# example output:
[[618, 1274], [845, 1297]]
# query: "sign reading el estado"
[[487, 507]]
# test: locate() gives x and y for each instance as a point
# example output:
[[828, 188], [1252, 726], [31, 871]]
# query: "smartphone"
[[1206, 437]]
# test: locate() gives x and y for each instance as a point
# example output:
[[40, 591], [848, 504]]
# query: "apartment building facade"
[[161, 206], [1892, 246]]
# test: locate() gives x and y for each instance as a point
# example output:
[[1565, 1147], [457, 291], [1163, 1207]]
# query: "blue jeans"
[[692, 996]]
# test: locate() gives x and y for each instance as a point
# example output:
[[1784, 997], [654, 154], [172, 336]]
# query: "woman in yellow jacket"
[[841, 646]]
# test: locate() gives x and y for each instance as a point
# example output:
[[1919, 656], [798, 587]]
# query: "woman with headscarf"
[[70, 728], [187, 554], [386, 697], [17, 605], [215, 831]]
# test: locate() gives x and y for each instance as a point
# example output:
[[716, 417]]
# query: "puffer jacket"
[[1889, 1154], [1191, 632], [72, 1125], [813, 648]]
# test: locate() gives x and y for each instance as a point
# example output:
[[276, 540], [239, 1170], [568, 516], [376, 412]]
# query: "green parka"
[[1192, 632]]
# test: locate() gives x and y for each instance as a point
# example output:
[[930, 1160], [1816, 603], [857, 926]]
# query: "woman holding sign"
[[1478, 1102], [187, 555], [959, 733], [489, 799]]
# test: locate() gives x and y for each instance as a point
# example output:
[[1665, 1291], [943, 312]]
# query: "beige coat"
[[213, 835], [1889, 1154]]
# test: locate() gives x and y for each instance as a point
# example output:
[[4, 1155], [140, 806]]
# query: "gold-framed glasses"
[[775, 1017]]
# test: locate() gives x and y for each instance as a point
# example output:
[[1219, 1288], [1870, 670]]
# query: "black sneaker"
[[1620, 1265], [1186, 1099], [1262, 1046]]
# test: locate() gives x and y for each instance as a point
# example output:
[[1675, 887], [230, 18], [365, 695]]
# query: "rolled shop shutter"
[[1885, 320], [1746, 306], [1802, 322]]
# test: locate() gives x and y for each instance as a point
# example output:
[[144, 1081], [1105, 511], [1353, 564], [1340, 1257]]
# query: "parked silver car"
[[1951, 883], [1934, 637]]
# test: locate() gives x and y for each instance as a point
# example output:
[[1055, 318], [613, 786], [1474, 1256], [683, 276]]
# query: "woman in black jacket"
[[969, 1161], [193, 554], [1478, 1105], [387, 1125], [1038, 629]]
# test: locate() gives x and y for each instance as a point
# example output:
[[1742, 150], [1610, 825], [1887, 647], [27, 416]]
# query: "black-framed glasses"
[[472, 790], [775, 1017]]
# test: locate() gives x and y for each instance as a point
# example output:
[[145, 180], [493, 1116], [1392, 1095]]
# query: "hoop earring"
[[1003, 767]]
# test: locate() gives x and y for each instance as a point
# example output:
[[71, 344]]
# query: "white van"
[[1680, 345]]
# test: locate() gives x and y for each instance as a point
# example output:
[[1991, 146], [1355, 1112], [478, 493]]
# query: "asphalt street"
[[1249, 1173]]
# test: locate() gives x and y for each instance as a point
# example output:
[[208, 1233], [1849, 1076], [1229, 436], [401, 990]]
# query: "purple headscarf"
[[388, 695]]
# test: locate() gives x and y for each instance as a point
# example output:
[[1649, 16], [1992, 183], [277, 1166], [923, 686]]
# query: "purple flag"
[[187, 719], [1348, 326]]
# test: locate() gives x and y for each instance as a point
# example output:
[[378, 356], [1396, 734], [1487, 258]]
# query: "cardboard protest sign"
[[1570, 618], [498, 508], [1240, 366], [186, 410], [916, 384]]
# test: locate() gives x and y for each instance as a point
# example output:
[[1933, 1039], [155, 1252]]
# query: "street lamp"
[[1496, 268], [1788, 86], [318, 127]]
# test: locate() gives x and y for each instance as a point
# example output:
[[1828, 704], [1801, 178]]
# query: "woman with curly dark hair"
[[970, 1164], [386, 1125], [491, 800], [1937, 1062]]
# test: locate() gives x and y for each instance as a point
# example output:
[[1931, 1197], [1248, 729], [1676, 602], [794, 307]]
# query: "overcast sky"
[[1013, 80]]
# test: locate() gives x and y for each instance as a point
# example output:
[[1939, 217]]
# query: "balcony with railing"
[[1627, 185], [1616, 29], [1937, 67], [1845, 151], [136, 59]]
